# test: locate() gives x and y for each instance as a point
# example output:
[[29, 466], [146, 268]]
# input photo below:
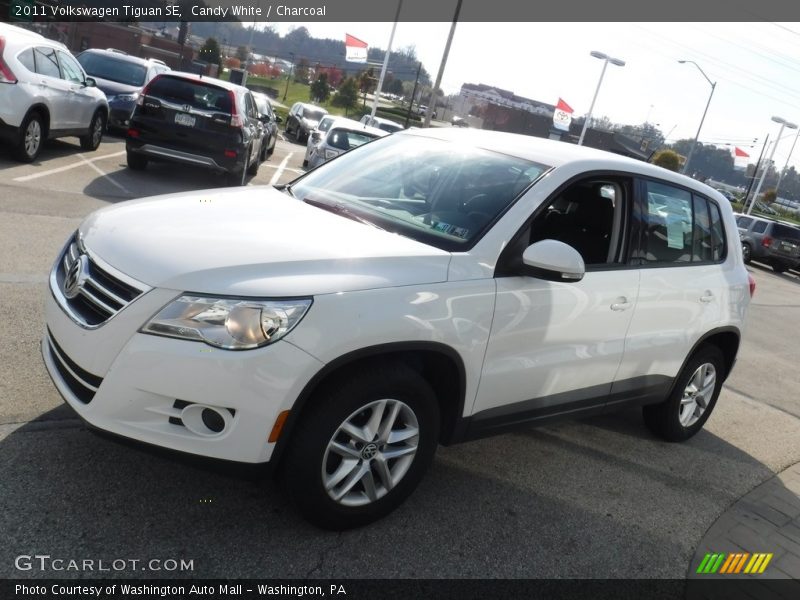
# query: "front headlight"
[[229, 323], [125, 97]]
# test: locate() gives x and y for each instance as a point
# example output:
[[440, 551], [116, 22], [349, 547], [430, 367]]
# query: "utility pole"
[[755, 172], [413, 94], [386, 61], [432, 103], [291, 71]]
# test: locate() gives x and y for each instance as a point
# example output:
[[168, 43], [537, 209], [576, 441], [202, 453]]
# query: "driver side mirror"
[[278, 119], [264, 118], [89, 82], [554, 261]]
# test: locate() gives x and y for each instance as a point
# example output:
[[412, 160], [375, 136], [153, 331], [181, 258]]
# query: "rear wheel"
[[91, 141], [692, 399], [779, 267], [747, 253], [362, 447], [31, 138], [252, 170], [137, 162]]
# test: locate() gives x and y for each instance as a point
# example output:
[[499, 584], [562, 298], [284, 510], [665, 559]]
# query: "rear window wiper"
[[340, 209]]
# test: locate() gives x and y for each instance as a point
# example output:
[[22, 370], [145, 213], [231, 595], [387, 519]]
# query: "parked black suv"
[[196, 120], [770, 242], [122, 78]]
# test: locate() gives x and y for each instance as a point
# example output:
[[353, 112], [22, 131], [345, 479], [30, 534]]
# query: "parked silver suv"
[[45, 94], [770, 242]]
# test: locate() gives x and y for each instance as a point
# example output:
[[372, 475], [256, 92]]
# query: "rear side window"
[[195, 94], [680, 227], [668, 224], [26, 58], [46, 62], [785, 232], [760, 227]]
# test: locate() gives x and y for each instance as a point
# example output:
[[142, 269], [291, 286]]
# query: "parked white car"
[[433, 287], [343, 136], [45, 94]]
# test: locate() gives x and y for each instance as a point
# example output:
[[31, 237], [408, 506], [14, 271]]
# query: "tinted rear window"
[[345, 139], [113, 69], [785, 232], [313, 115], [197, 94]]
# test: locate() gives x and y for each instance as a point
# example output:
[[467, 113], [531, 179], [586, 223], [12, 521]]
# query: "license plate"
[[187, 120]]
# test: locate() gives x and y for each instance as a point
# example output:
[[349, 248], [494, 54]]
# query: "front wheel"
[[137, 162], [91, 141], [779, 267], [692, 399], [362, 447]]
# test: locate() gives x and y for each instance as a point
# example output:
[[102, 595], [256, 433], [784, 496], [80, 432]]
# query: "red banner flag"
[[564, 106], [355, 49], [739, 153]]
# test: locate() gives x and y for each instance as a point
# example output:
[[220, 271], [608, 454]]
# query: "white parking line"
[[67, 167], [104, 174], [281, 169]]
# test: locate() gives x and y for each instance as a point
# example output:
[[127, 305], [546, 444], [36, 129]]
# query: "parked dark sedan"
[[302, 120], [270, 120], [122, 77]]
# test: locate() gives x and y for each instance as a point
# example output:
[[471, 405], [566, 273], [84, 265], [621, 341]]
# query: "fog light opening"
[[213, 420]]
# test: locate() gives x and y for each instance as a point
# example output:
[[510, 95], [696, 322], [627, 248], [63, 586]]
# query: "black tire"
[[235, 178], [305, 163], [137, 162], [337, 403], [24, 151], [91, 141], [779, 267], [664, 419], [252, 170], [747, 253], [271, 149], [298, 136]]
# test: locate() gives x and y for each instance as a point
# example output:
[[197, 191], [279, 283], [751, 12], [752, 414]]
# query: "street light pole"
[[606, 59], [784, 123], [783, 171], [711, 95], [432, 102], [291, 71]]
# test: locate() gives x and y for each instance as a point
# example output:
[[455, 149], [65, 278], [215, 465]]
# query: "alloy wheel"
[[697, 394], [33, 137], [370, 452]]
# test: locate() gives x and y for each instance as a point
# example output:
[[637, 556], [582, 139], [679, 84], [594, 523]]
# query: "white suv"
[[45, 94], [436, 286]]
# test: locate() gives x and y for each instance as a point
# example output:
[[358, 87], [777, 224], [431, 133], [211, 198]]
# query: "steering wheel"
[[475, 208]]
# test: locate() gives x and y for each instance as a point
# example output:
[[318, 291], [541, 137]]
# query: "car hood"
[[254, 241], [112, 88]]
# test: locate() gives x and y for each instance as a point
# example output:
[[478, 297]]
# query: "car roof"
[[555, 153], [122, 56], [13, 30], [350, 124]]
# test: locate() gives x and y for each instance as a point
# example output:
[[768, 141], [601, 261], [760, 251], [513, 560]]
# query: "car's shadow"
[[599, 498]]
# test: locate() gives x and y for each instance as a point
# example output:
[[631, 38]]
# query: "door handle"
[[43, 83], [707, 297], [621, 304]]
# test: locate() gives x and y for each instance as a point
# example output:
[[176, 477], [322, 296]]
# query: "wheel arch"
[[437, 363], [726, 339], [42, 109]]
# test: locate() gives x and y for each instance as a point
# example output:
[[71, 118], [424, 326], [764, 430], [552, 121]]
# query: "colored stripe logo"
[[734, 563]]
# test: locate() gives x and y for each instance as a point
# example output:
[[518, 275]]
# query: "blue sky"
[[756, 67]]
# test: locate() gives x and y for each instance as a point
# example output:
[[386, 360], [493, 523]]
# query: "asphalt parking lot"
[[594, 498]]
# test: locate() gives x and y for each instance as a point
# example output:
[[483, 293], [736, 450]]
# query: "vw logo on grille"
[[76, 276]]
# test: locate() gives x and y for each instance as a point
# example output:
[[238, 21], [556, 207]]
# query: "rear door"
[[189, 115], [54, 90], [683, 290], [82, 97]]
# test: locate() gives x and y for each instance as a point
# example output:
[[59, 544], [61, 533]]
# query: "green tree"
[[243, 53], [319, 90], [668, 159], [210, 51], [347, 95]]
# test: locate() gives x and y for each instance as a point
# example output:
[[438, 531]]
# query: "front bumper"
[[153, 389]]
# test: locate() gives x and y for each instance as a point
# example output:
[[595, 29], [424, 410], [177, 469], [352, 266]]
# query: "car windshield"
[[346, 139], [437, 192], [313, 115], [113, 69]]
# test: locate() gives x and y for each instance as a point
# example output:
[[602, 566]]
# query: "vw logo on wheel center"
[[76, 276], [369, 451]]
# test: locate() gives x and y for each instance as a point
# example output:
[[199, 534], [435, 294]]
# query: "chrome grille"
[[80, 382], [88, 293]]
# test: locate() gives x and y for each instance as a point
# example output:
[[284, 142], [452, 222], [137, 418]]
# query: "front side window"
[[70, 70], [438, 192]]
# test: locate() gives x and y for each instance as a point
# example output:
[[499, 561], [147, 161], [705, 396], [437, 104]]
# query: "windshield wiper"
[[286, 188], [340, 209]]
